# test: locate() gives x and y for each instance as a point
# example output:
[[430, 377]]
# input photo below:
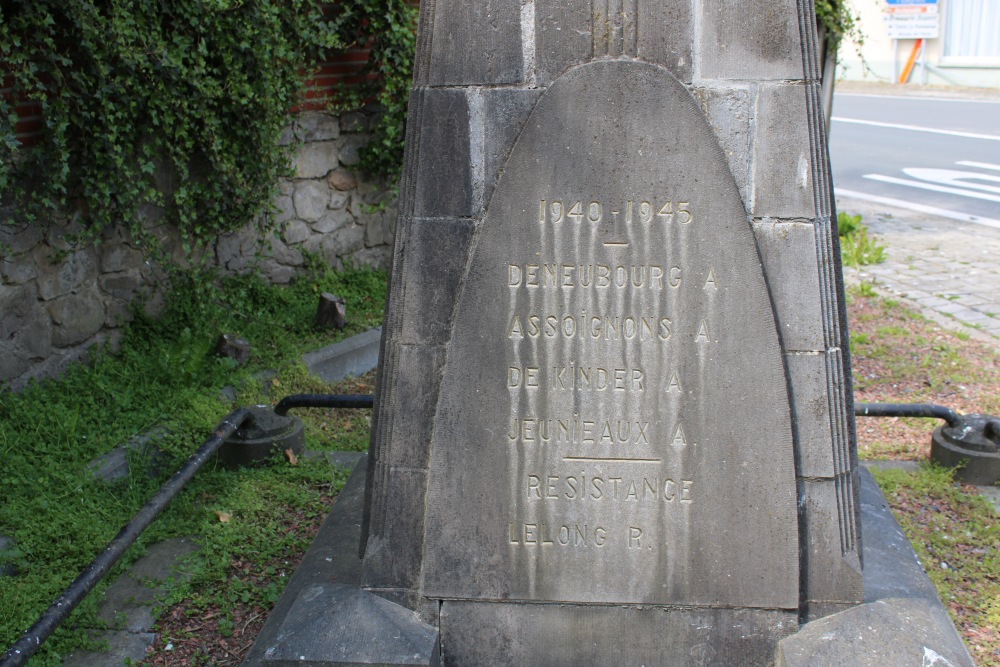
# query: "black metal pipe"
[[32, 639], [322, 401], [908, 410]]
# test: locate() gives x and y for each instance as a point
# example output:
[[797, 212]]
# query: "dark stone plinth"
[[902, 623], [355, 356]]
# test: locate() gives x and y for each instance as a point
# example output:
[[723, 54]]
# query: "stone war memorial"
[[614, 421]]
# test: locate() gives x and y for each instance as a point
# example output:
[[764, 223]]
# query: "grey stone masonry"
[[54, 310], [614, 391]]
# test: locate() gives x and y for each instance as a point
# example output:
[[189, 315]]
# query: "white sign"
[[912, 19]]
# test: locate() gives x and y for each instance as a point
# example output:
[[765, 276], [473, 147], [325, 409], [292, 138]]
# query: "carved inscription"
[[607, 436], [614, 404]]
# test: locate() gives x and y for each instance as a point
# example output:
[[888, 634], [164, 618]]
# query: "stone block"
[[34, 335], [831, 548], [373, 229], [276, 273], [355, 356], [284, 208], [236, 251], [745, 40], [295, 232], [353, 121], [311, 200], [12, 365], [444, 245], [474, 633], [317, 126], [563, 37], [76, 317], [665, 31], [55, 280], [417, 381], [503, 114], [476, 43], [21, 238], [396, 565], [377, 258], [730, 113], [18, 269], [783, 170], [338, 199], [887, 632], [282, 254], [332, 221], [16, 303], [350, 150], [122, 286], [807, 381], [342, 242], [342, 179], [315, 160], [334, 624], [445, 181], [788, 253], [119, 257]]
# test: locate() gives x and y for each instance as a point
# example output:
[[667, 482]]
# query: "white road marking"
[[918, 128], [931, 186], [981, 165], [919, 97], [921, 208], [958, 179]]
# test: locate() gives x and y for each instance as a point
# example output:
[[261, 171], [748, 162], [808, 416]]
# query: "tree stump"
[[331, 312]]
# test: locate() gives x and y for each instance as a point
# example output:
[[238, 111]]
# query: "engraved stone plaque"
[[613, 423]]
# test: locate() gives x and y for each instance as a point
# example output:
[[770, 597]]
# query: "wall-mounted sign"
[[911, 19]]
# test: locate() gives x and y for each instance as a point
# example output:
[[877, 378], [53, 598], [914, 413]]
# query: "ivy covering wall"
[[173, 110]]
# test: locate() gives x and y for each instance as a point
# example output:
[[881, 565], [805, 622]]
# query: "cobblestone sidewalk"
[[950, 270]]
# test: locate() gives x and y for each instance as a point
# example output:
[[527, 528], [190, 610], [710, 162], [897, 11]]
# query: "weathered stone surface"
[[788, 251], [295, 232], [21, 238], [446, 184], [72, 273], [442, 244], [563, 37], [122, 286], [353, 121], [16, 304], [683, 330], [474, 633], [34, 335], [350, 148], [119, 257], [236, 251], [730, 112], [783, 188], [316, 159], [284, 208], [311, 200], [282, 254], [341, 179], [18, 269], [332, 221], [747, 40], [476, 43], [317, 126], [888, 632], [76, 317], [12, 365], [501, 114], [395, 566]]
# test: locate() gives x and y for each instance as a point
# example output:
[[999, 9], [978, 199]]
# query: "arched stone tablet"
[[613, 424]]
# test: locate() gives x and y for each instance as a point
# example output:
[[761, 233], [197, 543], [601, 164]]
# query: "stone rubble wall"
[[51, 313]]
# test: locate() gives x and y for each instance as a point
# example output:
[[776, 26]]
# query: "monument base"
[[901, 623]]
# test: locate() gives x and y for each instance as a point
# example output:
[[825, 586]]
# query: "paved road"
[[932, 155], [942, 228]]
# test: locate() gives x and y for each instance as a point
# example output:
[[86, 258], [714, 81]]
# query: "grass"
[[59, 516], [955, 533], [164, 374], [901, 357]]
